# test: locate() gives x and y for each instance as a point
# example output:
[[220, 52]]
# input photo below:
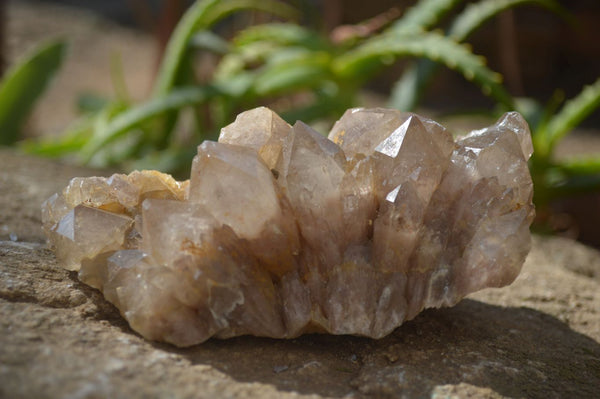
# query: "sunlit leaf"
[[433, 46], [201, 16], [22, 86], [572, 113], [134, 117], [423, 15]]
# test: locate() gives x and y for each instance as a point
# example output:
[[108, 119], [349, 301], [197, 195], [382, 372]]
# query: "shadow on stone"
[[517, 352], [102, 309]]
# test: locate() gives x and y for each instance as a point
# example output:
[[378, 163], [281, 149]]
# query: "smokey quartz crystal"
[[281, 231]]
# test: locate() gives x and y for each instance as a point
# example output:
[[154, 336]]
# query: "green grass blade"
[[425, 14], [359, 62], [476, 14], [23, 85], [135, 117], [201, 16], [572, 113]]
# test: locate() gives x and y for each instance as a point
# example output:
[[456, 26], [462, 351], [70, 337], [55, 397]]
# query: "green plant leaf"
[[476, 14], [134, 117], [291, 69], [581, 165], [287, 78], [89, 102], [201, 16], [576, 184], [424, 15], [282, 34], [71, 141], [224, 8], [359, 62], [325, 105], [572, 113], [23, 84], [547, 112], [207, 40], [117, 75], [244, 59], [170, 160], [407, 91]]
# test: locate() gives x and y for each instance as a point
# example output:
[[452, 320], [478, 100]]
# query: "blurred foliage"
[[308, 76], [556, 178], [23, 84], [296, 70]]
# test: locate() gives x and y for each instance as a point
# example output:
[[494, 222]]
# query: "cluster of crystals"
[[281, 231]]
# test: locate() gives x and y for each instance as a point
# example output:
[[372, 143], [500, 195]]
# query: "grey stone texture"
[[538, 338]]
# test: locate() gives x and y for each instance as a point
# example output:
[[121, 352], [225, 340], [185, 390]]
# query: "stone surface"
[[538, 338], [281, 231]]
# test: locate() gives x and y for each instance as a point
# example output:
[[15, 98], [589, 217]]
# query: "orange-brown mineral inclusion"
[[281, 231]]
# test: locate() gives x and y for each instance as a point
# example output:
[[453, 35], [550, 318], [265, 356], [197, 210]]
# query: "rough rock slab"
[[538, 338]]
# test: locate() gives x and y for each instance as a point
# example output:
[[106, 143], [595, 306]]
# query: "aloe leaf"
[[282, 34], [140, 114], [239, 60], [423, 15], [291, 69], [23, 85], [285, 79], [577, 184], [200, 16], [90, 102], [69, 142], [408, 90], [192, 21], [117, 75], [581, 165], [476, 14], [433, 46], [572, 113], [259, 44], [224, 8], [207, 40], [548, 111], [324, 106]]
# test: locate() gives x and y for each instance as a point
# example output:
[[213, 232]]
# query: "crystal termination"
[[280, 231]]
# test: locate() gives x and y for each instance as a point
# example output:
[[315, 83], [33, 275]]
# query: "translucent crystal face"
[[281, 231]]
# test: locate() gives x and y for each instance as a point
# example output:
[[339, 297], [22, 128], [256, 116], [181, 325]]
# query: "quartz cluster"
[[281, 231]]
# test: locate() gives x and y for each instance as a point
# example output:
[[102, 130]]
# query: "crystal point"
[[281, 231]]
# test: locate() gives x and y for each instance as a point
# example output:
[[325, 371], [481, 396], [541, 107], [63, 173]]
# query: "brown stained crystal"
[[281, 231]]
